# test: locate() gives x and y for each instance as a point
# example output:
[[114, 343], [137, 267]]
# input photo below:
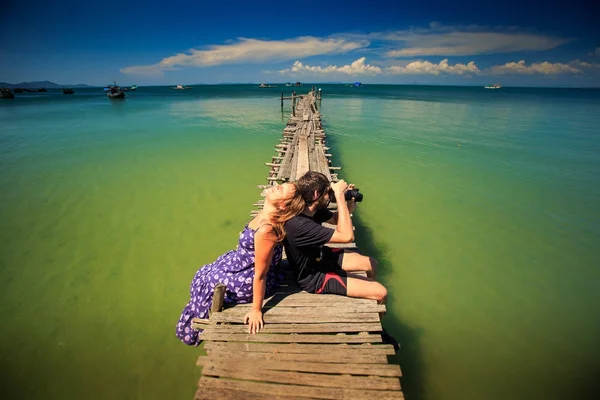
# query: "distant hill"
[[38, 84]]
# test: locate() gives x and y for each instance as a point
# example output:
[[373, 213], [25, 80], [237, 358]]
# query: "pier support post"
[[294, 104], [218, 298], [281, 99]]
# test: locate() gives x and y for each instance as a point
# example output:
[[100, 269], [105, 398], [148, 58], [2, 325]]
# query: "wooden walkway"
[[312, 346]]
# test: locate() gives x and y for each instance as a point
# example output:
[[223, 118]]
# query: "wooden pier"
[[312, 346]]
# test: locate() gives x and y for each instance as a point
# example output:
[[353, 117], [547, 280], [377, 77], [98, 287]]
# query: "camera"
[[358, 197]]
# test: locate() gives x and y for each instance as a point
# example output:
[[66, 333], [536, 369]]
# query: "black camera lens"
[[358, 197]]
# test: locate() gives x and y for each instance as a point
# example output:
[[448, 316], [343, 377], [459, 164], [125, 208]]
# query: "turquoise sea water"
[[482, 207]]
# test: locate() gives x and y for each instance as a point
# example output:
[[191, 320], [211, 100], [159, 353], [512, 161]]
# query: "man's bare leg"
[[352, 261], [366, 289]]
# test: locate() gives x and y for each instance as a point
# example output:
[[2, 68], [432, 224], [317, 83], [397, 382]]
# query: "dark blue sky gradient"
[[77, 41]]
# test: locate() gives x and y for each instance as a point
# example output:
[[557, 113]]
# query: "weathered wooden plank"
[[329, 298], [302, 157], [320, 162], [284, 171], [336, 357], [276, 311], [200, 323], [291, 293], [349, 246], [323, 162], [290, 289], [323, 368], [211, 393], [300, 318], [283, 300], [338, 349], [312, 154], [298, 328], [286, 301], [298, 390], [294, 163], [233, 370], [291, 338]]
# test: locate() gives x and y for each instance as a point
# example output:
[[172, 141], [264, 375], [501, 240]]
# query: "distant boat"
[[42, 90], [181, 87], [297, 84], [67, 91], [494, 86], [115, 92], [5, 93], [264, 85], [288, 84], [108, 88], [133, 87], [118, 94]]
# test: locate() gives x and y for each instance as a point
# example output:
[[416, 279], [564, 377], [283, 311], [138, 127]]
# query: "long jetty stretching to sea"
[[312, 345]]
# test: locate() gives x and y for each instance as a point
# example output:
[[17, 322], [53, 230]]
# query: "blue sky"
[[531, 43]]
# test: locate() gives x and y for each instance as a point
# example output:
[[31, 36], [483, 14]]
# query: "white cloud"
[[542, 68], [358, 67], [595, 53], [429, 68], [438, 40], [433, 40], [250, 50]]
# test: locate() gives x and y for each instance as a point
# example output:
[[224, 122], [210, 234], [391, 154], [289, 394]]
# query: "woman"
[[251, 271]]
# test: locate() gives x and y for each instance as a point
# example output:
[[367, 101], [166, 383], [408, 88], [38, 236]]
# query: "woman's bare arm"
[[264, 246]]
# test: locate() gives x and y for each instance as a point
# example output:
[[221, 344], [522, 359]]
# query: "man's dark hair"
[[309, 182]]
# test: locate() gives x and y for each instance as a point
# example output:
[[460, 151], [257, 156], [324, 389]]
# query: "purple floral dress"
[[235, 269]]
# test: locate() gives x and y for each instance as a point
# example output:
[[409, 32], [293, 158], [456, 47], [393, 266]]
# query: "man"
[[321, 269]]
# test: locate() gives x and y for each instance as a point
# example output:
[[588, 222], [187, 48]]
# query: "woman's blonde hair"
[[287, 209]]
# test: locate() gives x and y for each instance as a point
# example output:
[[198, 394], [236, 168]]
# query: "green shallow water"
[[482, 209]]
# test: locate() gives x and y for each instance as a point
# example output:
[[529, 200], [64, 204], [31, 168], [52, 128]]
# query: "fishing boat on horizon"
[[494, 86], [114, 91], [6, 93], [68, 91], [181, 87]]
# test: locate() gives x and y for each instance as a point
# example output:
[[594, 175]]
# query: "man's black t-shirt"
[[305, 237]]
